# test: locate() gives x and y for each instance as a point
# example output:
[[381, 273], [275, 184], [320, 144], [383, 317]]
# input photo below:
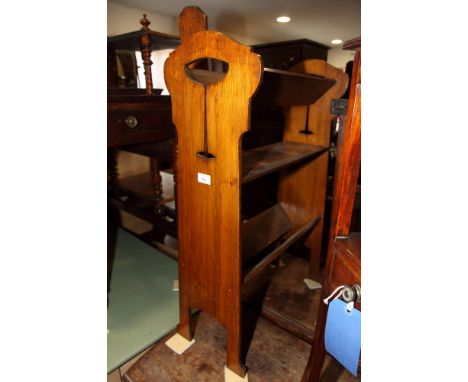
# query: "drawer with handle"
[[128, 125]]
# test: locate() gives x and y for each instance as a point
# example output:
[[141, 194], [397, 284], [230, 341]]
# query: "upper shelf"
[[266, 159], [283, 88], [278, 87]]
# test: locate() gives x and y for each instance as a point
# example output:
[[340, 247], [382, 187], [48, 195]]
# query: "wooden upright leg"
[[234, 344], [184, 313], [317, 355]]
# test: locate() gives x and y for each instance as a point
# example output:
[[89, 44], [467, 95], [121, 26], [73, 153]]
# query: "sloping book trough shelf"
[[270, 226], [278, 87]]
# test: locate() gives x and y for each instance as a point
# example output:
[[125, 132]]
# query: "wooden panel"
[[345, 267], [211, 119], [263, 230], [303, 190], [266, 159]]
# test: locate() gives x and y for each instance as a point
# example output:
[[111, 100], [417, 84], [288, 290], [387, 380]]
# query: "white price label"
[[204, 178]]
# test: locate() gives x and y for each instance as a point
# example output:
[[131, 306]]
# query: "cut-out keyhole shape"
[[206, 71]]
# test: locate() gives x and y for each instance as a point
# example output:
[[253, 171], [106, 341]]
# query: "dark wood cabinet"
[[285, 54], [140, 121]]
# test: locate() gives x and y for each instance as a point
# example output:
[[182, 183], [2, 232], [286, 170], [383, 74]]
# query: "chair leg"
[[317, 354], [156, 180]]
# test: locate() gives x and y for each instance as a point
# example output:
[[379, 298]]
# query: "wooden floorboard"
[[266, 359], [284, 292]]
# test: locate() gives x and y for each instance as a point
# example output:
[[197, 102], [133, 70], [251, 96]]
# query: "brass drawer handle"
[[131, 121]]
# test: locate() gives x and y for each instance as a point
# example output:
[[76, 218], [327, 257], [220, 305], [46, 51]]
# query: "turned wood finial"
[[145, 22], [145, 46]]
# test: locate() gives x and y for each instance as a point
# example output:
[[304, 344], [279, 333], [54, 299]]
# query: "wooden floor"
[[272, 354], [266, 360]]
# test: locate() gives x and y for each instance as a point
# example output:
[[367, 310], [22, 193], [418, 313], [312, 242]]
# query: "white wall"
[[123, 19], [339, 57]]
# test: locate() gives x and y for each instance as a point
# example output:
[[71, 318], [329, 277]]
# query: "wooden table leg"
[[112, 170], [156, 180]]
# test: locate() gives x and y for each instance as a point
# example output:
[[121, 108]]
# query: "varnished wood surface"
[[279, 87], [209, 215], [281, 296], [282, 88], [152, 112], [280, 249], [341, 266], [303, 189], [350, 245], [345, 267], [263, 230], [266, 159]]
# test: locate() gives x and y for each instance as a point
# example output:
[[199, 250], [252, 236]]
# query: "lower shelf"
[[281, 296]]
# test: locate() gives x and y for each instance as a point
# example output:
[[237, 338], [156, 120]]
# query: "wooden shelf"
[[280, 295], [266, 159], [263, 230], [283, 88], [254, 271], [278, 87]]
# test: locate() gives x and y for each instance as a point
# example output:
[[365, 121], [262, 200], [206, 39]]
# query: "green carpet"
[[142, 305]]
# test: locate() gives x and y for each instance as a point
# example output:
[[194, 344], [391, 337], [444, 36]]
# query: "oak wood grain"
[[209, 215], [302, 190], [343, 253]]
